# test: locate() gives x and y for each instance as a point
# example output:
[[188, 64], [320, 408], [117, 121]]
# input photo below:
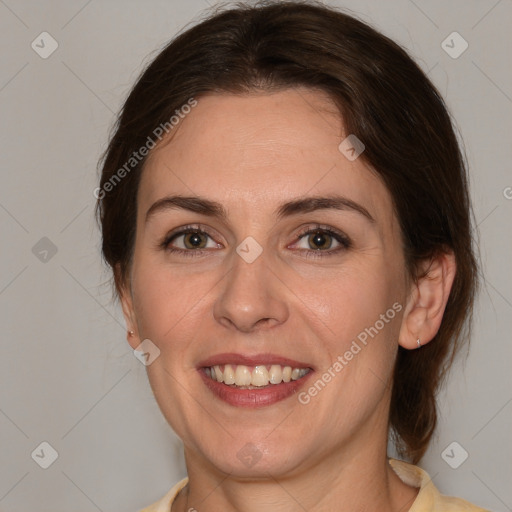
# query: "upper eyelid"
[[183, 230]]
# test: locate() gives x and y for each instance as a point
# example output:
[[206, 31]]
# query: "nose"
[[251, 296]]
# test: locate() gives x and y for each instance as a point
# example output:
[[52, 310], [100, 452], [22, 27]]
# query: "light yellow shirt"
[[429, 499]]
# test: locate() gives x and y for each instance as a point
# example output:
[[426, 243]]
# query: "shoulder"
[[429, 499], [165, 503]]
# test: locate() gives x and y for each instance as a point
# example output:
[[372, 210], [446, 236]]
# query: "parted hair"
[[383, 97]]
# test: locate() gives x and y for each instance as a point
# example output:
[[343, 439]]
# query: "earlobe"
[[427, 301], [125, 296]]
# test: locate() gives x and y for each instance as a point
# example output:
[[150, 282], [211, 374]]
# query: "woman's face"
[[251, 287]]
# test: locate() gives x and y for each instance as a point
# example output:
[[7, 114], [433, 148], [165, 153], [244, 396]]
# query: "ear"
[[427, 301], [125, 296]]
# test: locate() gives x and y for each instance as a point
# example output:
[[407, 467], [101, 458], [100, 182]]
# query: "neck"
[[355, 477]]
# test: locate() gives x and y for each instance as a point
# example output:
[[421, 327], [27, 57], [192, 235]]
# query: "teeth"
[[257, 376], [219, 376], [295, 373], [275, 374], [242, 376], [229, 374]]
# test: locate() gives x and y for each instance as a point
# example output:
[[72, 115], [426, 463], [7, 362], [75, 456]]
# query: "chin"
[[256, 460]]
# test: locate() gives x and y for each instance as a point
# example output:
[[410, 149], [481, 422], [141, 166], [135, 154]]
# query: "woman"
[[285, 209]]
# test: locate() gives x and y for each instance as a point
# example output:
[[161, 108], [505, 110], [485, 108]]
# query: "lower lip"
[[253, 398]]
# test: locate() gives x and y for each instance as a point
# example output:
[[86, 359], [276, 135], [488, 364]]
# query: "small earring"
[[130, 333], [418, 342]]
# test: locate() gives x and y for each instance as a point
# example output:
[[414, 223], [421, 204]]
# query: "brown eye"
[[320, 240], [195, 240], [189, 241]]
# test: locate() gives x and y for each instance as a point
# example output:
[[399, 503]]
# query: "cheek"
[[167, 302], [353, 300], [359, 325]]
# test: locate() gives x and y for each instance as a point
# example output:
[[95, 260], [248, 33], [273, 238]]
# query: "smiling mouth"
[[254, 377]]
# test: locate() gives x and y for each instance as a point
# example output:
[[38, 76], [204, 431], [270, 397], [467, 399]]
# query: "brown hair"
[[384, 99]]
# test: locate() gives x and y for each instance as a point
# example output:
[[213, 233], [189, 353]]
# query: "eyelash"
[[342, 239]]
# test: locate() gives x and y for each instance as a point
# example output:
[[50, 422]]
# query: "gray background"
[[68, 375]]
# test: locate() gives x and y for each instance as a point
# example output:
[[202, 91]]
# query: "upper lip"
[[252, 360]]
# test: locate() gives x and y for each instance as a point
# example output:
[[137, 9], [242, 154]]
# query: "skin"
[[251, 153]]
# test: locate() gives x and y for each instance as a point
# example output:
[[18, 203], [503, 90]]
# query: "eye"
[[189, 239], [322, 240], [316, 241]]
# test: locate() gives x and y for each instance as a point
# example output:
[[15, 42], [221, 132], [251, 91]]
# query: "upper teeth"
[[241, 375]]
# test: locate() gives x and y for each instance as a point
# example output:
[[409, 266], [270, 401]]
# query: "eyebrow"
[[295, 207]]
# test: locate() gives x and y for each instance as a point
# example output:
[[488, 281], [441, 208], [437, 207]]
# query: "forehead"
[[255, 151]]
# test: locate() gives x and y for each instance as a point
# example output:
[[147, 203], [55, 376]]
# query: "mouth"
[[253, 381]]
